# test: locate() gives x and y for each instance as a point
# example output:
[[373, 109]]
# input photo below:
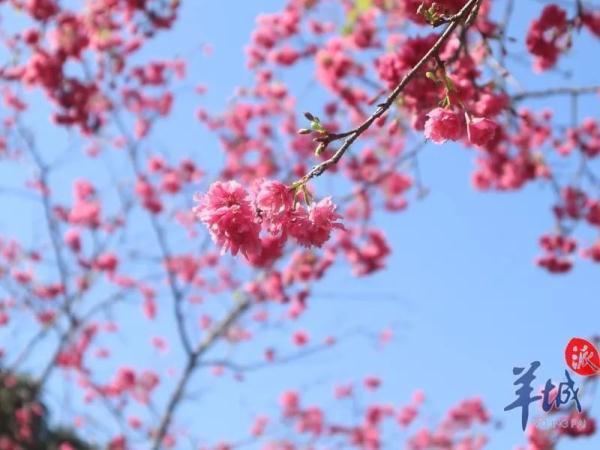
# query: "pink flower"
[[125, 379], [156, 164], [300, 338], [285, 56], [407, 415], [259, 426], [231, 220], [107, 262], [372, 382], [69, 37], [368, 257], [275, 201], [591, 19], [171, 182], [343, 391], [134, 422], [290, 403], [73, 239], [313, 227], [481, 130], [149, 308], [83, 190], [418, 397], [270, 251], [160, 344], [442, 125], [85, 213], [548, 37], [41, 9]]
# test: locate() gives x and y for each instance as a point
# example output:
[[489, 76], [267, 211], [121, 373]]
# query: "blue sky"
[[461, 290]]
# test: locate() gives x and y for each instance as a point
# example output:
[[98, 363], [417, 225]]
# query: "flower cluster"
[[236, 218], [458, 429], [445, 124], [548, 37], [557, 249]]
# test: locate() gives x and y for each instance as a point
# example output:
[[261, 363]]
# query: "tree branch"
[[218, 331], [465, 15], [174, 288]]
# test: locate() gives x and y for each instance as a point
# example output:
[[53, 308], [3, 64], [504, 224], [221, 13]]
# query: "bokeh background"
[[461, 291]]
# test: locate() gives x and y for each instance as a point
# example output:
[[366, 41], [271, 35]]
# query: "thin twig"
[[174, 288], [553, 92]]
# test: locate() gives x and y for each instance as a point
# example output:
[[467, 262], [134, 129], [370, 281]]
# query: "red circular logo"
[[582, 357]]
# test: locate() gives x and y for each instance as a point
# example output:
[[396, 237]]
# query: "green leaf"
[[431, 76], [360, 7], [450, 84], [317, 126]]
